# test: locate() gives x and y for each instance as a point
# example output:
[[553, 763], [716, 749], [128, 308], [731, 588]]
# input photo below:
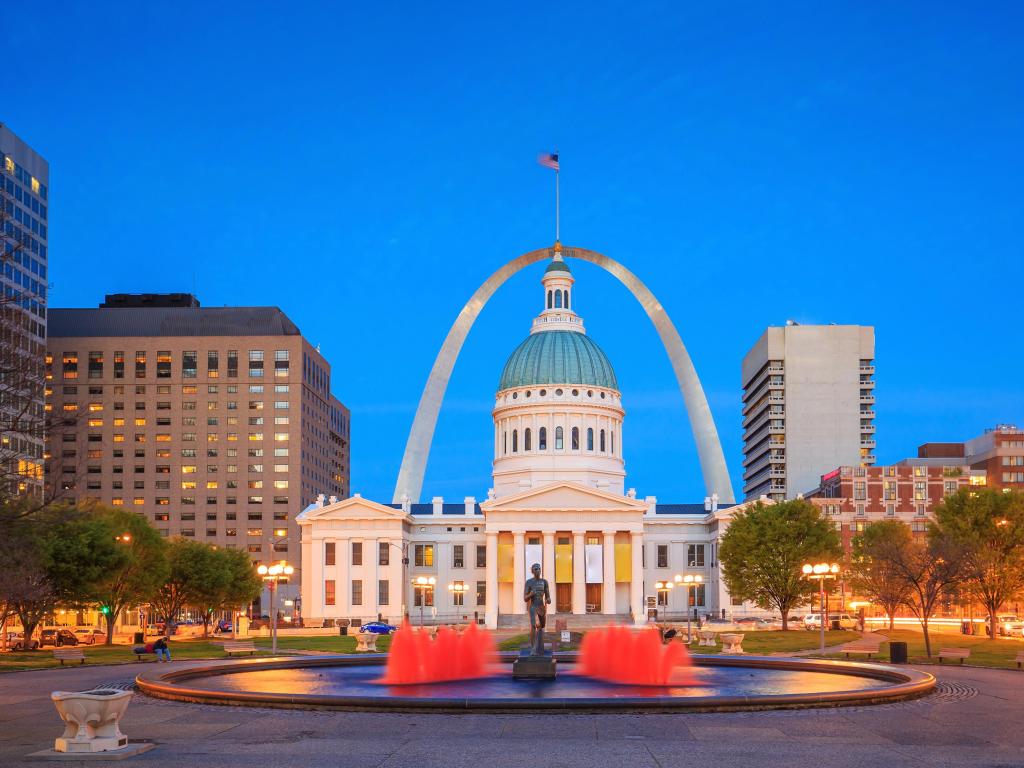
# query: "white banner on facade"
[[535, 554], [594, 560]]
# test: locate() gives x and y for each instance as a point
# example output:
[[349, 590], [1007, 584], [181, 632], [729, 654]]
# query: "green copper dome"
[[558, 357], [557, 266]]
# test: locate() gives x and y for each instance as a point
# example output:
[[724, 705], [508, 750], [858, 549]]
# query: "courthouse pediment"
[[563, 496], [353, 508]]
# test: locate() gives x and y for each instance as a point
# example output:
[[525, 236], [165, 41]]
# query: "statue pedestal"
[[532, 667]]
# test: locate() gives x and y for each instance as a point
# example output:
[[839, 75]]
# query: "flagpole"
[[557, 209]]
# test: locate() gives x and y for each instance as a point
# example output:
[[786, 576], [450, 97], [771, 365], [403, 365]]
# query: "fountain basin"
[[721, 683]]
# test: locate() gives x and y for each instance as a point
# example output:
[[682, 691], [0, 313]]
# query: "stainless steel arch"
[[709, 448]]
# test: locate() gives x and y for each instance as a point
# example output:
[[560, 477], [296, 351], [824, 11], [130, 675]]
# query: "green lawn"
[[184, 649], [984, 651], [755, 643]]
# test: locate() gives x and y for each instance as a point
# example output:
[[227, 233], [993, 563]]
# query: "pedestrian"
[[160, 646]]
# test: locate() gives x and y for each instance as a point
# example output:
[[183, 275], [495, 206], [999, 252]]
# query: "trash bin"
[[897, 652], [836, 625], [139, 638], [965, 627]]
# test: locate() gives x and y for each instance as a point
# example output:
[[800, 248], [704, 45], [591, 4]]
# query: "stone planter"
[[91, 719]]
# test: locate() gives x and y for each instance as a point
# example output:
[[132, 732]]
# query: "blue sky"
[[366, 167]]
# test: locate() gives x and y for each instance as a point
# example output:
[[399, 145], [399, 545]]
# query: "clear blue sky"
[[365, 169]]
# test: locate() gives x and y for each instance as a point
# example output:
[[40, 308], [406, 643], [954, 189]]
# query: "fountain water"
[[620, 655], [415, 658]]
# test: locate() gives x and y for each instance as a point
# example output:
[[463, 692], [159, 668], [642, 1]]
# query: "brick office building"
[[218, 424], [998, 451]]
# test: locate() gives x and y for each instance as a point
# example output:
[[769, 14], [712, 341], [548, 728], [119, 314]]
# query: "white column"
[[636, 585], [518, 572], [491, 609], [312, 572], [549, 568], [608, 596], [579, 574], [374, 570]]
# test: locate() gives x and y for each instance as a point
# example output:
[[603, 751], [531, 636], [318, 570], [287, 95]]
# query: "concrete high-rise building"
[[24, 204], [217, 424], [808, 406]]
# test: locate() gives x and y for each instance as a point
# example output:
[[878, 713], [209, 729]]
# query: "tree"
[[872, 572], [987, 527], [927, 566], [765, 546], [53, 557], [184, 557], [227, 580], [136, 570]]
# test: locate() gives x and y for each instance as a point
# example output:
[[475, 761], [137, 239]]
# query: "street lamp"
[[693, 580], [664, 587], [821, 571], [271, 575], [421, 584], [458, 590]]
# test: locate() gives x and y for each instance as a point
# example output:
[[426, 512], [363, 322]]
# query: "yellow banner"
[[505, 563], [623, 561], [563, 563]]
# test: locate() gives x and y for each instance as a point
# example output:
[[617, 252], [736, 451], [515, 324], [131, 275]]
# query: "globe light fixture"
[[821, 571], [272, 575], [421, 585], [689, 580]]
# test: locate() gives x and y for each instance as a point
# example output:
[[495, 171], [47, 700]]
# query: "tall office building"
[[808, 406], [24, 203], [218, 424]]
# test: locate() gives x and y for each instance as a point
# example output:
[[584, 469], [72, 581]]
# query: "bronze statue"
[[538, 598]]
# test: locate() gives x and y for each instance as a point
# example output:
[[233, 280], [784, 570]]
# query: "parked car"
[[91, 636], [16, 642], [224, 625], [846, 621], [57, 638], [378, 628], [1006, 623]]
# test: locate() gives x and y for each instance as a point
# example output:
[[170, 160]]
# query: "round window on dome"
[[575, 393], [527, 393], [543, 392], [558, 392], [590, 393], [515, 395], [602, 395]]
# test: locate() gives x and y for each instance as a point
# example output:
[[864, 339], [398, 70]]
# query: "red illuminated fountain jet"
[[416, 658], [620, 655]]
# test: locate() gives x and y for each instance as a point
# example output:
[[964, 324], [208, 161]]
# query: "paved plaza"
[[976, 718]]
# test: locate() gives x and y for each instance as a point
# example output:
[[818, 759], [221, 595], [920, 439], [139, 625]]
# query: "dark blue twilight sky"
[[365, 167]]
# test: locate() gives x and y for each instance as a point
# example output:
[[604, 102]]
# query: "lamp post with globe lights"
[[821, 571], [663, 587], [272, 574], [690, 580]]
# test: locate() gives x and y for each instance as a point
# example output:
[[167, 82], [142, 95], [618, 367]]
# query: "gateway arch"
[[709, 448]]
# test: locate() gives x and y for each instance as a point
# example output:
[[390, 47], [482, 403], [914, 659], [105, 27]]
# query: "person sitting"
[[668, 636], [161, 649]]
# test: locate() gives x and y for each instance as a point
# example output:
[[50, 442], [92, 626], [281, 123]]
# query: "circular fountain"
[[618, 670]]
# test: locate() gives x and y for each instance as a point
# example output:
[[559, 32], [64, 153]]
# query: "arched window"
[[590, 438], [612, 433], [542, 439], [558, 439], [514, 441], [558, 299], [550, 299], [504, 442], [575, 438], [526, 440], [566, 299]]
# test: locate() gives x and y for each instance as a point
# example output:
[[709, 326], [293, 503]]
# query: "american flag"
[[548, 159]]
